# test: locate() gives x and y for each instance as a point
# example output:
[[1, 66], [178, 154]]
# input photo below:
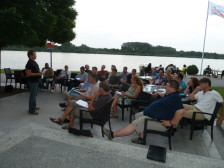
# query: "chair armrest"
[[82, 109], [194, 114]]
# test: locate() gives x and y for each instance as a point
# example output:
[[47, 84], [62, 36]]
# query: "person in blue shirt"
[[168, 110], [154, 73], [182, 84]]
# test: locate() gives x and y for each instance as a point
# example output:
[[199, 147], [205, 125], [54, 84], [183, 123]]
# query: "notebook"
[[157, 153], [73, 91]]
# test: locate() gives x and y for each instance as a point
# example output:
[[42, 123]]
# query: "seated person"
[[97, 102], [191, 85], [183, 85], [168, 110], [169, 76], [94, 70], [87, 68], [64, 74], [112, 67], [159, 68], [133, 91], [114, 80], [154, 73], [93, 79], [208, 71], [48, 74], [206, 101], [133, 72], [124, 74], [80, 78], [160, 80], [103, 73]]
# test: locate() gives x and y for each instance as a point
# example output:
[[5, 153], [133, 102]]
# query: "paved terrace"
[[34, 141]]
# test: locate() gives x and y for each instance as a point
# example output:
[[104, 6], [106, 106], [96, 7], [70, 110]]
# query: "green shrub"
[[192, 70], [169, 66]]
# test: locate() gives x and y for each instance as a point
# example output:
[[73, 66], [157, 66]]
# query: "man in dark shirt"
[[97, 102], [133, 72], [114, 80], [169, 110], [34, 74]]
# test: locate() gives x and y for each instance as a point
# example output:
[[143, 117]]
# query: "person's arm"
[[219, 121], [161, 94], [186, 90], [91, 108], [137, 91], [175, 120], [192, 95], [29, 73]]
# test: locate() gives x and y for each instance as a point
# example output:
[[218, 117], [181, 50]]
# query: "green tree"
[[33, 22]]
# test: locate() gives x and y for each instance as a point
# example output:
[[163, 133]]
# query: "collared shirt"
[[124, 75], [48, 72], [63, 74], [206, 102], [164, 108], [83, 76]]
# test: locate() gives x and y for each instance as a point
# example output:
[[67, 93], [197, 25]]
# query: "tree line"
[[129, 48]]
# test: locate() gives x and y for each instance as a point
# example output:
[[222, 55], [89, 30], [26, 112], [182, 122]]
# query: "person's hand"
[[198, 88], [165, 123], [88, 102], [123, 94], [155, 94], [219, 122], [82, 95]]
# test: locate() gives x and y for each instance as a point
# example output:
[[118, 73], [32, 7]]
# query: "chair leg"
[[131, 113], [122, 114], [6, 82], [192, 130], [91, 125], [10, 81], [80, 123], [110, 125], [169, 139], [102, 131], [212, 132]]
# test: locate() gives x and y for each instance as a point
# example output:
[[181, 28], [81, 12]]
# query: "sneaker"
[[52, 90], [107, 133], [138, 141], [62, 105]]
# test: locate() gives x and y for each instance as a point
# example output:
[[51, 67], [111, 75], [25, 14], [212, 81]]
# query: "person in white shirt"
[[206, 101]]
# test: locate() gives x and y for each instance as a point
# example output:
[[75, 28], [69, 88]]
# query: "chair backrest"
[[17, 75], [215, 112], [73, 75], [144, 98], [105, 112], [8, 72], [124, 87]]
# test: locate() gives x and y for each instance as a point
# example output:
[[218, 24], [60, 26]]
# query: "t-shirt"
[[184, 86], [92, 89], [206, 102], [114, 80], [63, 74], [124, 75], [159, 80], [48, 72], [156, 75], [164, 108], [34, 67], [99, 104], [83, 77], [103, 74]]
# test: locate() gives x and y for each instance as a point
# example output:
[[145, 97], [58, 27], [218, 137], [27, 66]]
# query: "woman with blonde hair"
[[135, 88]]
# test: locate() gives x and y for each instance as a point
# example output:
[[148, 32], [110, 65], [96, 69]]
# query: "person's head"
[[172, 86], [137, 81], [32, 54], [208, 66], [133, 72], [149, 65], [66, 67], [104, 87], [153, 70], [160, 66], [82, 69], [185, 66], [125, 69], [87, 67], [113, 67], [94, 70], [103, 67], [179, 77], [46, 65], [168, 71], [161, 73], [93, 78], [114, 72], [193, 82], [205, 83]]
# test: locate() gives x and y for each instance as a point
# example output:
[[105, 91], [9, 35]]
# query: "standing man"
[[34, 74]]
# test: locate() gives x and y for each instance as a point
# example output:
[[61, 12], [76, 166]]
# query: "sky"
[[174, 23]]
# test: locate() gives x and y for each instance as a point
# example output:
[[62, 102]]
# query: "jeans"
[[33, 86], [47, 80]]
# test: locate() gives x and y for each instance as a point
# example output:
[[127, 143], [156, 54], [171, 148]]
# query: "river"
[[18, 59]]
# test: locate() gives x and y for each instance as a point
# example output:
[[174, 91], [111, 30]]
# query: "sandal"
[[57, 121], [66, 121], [65, 127]]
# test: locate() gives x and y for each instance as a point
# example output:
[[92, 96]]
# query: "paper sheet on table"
[[82, 103]]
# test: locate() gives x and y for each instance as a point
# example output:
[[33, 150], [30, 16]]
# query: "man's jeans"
[[47, 80], [33, 86]]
